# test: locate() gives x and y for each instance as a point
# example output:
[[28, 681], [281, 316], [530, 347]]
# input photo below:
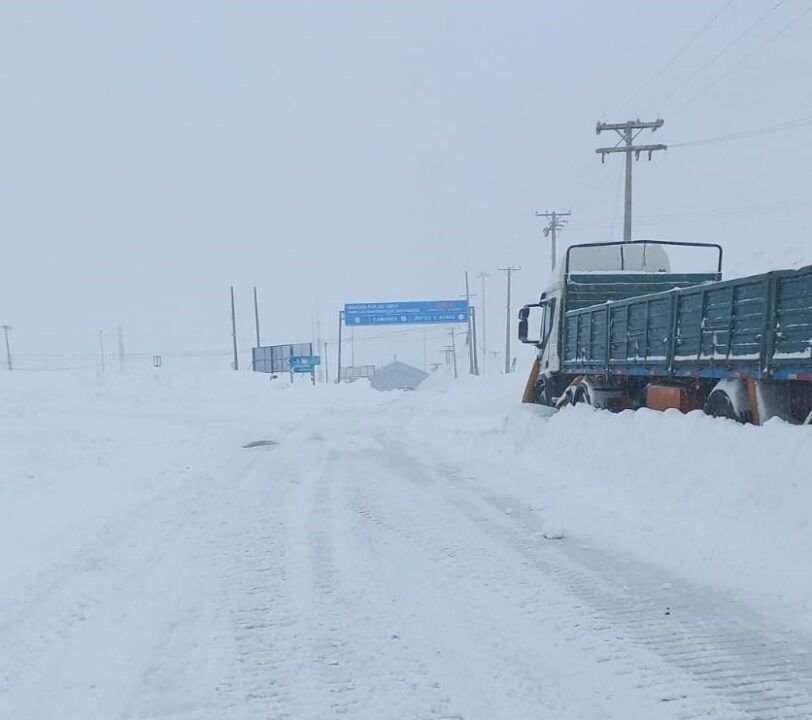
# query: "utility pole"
[[256, 315], [447, 355], [101, 349], [234, 330], [472, 311], [121, 348], [628, 132], [482, 316], [473, 360], [556, 223], [469, 334], [352, 346], [454, 352], [6, 328], [508, 271], [326, 364]]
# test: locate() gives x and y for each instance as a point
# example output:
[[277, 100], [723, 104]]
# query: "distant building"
[[397, 376]]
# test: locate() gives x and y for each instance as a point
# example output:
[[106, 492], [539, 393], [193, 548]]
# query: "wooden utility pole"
[[101, 349], [509, 272], [556, 223], [446, 350], [628, 131], [320, 369], [6, 328], [473, 360], [454, 352], [121, 348], [482, 316], [234, 330], [352, 346], [469, 334], [256, 315]]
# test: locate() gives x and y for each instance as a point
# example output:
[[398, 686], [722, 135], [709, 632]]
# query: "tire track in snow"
[[503, 664], [763, 673], [550, 610], [726, 651], [116, 591], [255, 558], [364, 665]]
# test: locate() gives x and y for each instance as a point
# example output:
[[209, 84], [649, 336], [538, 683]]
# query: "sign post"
[[340, 325]]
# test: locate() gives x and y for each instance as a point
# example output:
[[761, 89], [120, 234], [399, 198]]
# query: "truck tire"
[[720, 405], [543, 392], [581, 395], [729, 399]]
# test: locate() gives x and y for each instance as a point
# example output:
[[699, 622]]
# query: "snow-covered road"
[[359, 568]]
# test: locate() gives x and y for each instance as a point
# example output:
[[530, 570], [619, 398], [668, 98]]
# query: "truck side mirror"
[[524, 315]]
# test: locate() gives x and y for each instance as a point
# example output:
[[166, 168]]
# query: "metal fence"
[[350, 372], [274, 358]]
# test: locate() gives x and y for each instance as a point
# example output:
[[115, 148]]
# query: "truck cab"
[[593, 274]]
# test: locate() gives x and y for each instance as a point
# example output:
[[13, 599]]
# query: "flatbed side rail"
[[758, 326]]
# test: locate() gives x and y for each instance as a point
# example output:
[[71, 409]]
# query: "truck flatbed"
[[759, 327]]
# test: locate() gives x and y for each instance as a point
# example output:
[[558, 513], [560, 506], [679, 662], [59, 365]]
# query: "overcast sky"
[[153, 153]]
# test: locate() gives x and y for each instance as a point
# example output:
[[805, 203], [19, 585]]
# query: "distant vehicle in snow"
[[619, 329]]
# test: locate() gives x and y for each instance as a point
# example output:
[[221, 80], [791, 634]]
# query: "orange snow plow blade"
[[531, 382]]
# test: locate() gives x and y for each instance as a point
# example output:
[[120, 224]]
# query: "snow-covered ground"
[[444, 553]]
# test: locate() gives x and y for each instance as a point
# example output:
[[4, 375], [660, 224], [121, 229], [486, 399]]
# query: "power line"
[[719, 54], [675, 56], [747, 57], [765, 130]]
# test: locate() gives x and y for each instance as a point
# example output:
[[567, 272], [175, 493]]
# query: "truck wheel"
[[581, 395], [543, 392], [729, 399], [719, 404]]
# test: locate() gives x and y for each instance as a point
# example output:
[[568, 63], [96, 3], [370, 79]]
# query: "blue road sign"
[[302, 368], [406, 313], [300, 360]]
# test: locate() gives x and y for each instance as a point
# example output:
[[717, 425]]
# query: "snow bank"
[[79, 455], [719, 503]]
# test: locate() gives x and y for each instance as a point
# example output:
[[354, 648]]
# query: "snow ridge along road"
[[372, 564]]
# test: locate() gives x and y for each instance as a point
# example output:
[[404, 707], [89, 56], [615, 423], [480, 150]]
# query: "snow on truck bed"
[[381, 554]]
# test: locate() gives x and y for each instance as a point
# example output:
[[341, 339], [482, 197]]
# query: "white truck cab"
[[583, 260]]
